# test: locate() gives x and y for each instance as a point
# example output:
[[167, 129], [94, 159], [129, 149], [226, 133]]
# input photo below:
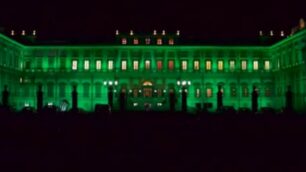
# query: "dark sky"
[[205, 19]]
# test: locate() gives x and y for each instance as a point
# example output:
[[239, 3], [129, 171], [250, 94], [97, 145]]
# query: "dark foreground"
[[152, 142]]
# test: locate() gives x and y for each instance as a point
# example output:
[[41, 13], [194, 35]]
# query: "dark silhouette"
[[289, 99], [110, 96], [254, 100], [39, 98], [172, 101], [5, 97], [122, 101], [184, 99], [74, 98], [219, 98]]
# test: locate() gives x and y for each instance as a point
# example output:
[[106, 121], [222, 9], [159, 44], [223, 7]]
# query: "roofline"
[[284, 41], [11, 40]]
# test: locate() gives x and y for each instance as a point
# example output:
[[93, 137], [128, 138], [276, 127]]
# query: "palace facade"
[[153, 71]]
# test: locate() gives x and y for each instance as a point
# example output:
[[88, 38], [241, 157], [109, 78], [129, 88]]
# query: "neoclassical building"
[[153, 71]]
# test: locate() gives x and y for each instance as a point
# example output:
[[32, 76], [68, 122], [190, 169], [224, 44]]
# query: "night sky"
[[203, 19]]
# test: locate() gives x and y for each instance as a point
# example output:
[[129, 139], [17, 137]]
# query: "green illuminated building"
[[148, 69]]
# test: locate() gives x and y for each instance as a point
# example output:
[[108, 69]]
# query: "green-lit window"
[[123, 65], [110, 64], [220, 65], [27, 65], [233, 90], [50, 88], [232, 65], [62, 90], [147, 64], [208, 65], [74, 65], [267, 65], [245, 91], [98, 65], [86, 64], [255, 65], [86, 88], [135, 64], [196, 65], [208, 92], [170, 65], [159, 65], [197, 92], [243, 65], [98, 87], [184, 65]]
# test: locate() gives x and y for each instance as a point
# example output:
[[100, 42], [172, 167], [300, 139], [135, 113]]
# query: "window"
[[170, 65], [197, 93], [184, 65], [233, 90], [196, 65], [27, 65], [268, 91], [245, 91], [98, 87], [110, 65], [123, 65], [147, 64], [135, 92], [86, 88], [148, 41], [98, 65], [159, 65], [208, 92], [267, 65], [62, 90], [86, 64], [74, 64], [159, 41], [135, 64], [232, 65], [220, 65], [123, 41], [136, 41], [208, 65], [255, 65], [171, 41], [243, 65]]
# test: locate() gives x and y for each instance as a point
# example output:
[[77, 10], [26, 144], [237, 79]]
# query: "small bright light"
[[104, 82], [184, 83], [154, 32], [178, 83], [115, 91], [117, 32], [260, 33], [12, 33], [180, 91], [23, 32], [155, 91], [131, 32], [110, 82], [159, 104], [135, 104], [271, 33], [178, 33], [189, 82], [116, 82], [164, 91], [26, 104], [282, 33], [140, 91], [50, 104], [20, 80], [185, 90], [163, 32], [34, 33], [130, 91]]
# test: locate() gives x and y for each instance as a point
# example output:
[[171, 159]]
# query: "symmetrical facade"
[[148, 70]]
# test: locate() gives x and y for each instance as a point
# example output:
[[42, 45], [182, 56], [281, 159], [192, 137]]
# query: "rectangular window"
[[62, 63], [267, 65], [62, 90], [170, 65], [243, 65], [159, 65], [196, 65], [27, 65], [123, 65], [233, 90], [110, 65], [50, 88], [255, 65], [98, 65], [197, 93], [147, 64], [86, 64], [208, 65], [232, 65], [245, 91], [220, 65], [208, 92], [74, 65], [86, 88], [184, 65], [135, 64]]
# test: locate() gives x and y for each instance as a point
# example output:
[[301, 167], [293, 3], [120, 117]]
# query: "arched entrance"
[[147, 87]]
